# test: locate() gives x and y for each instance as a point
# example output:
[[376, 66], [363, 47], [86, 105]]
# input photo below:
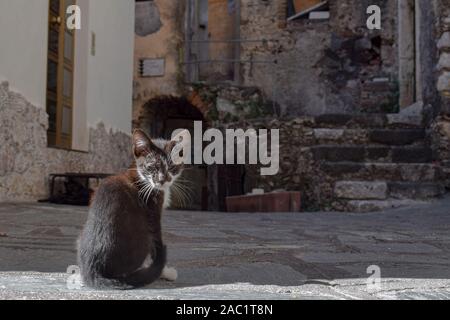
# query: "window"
[[60, 69], [308, 9]]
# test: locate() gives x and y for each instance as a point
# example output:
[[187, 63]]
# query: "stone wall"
[[305, 66], [443, 46], [230, 103], [440, 126], [297, 170], [322, 65], [440, 129], [26, 161]]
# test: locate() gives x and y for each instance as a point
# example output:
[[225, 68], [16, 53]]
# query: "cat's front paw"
[[169, 274]]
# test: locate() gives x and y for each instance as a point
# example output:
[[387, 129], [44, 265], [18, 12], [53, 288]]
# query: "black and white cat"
[[121, 245]]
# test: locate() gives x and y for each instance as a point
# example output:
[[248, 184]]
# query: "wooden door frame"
[[61, 140]]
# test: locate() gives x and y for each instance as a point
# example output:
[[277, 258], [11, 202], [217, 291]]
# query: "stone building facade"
[[363, 114], [38, 71]]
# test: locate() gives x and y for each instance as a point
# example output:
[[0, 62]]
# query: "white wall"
[[80, 134], [104, 82], [23, 47], [110, 71]]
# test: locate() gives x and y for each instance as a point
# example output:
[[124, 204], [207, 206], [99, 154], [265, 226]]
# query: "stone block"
[[378, 153], [333, 119], [444, 41], [412, 190], [444, 82], [396, 137], [412, 116], [444, 61], [412, 155], [339, 153], [361, 190], [328, 134]]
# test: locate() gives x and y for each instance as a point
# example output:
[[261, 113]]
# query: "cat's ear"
[[142, 145], [169, 147]]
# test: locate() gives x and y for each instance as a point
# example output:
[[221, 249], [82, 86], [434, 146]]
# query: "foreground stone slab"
[[56, 286]]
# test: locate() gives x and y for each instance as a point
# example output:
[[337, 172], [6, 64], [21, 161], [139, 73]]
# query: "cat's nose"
[[164, 178]]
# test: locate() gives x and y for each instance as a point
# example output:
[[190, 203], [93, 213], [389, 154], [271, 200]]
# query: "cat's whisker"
[[149, 192], [184, 187], [176, 195], [187, 182], [182, 193]]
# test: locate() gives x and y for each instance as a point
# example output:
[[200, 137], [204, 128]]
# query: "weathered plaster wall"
[[25, 160], [221, 26], [165, 42], [321, 65]]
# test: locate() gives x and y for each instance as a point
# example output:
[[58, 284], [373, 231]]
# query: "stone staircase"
[[376, 161]]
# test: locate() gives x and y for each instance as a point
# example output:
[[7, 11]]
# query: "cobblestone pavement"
[[248, 256]]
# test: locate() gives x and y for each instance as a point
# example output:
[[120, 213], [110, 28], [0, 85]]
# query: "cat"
[[121, 244]]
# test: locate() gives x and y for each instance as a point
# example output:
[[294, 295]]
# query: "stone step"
[[415, 190], [352, 153], [446, 173], [361, 190], [373, 120], [382, 190], [399, 137], [414, 172], [394, 137], [366, 206]]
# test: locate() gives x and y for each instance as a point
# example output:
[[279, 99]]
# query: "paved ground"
[[248, 256]]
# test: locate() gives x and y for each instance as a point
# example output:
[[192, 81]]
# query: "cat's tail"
[[140, 278], [146, 276]]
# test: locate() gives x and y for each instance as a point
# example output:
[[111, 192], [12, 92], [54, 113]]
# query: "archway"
[[161, 116]]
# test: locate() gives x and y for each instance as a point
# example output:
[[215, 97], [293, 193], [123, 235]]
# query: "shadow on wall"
[[148, 19]]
